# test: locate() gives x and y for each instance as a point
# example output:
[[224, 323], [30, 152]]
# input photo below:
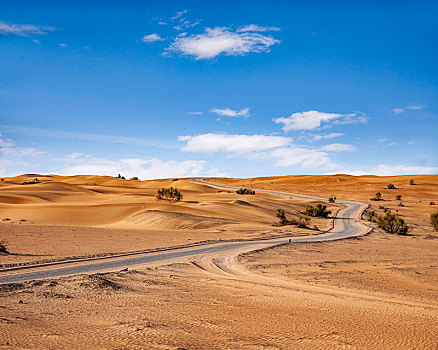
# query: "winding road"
[[346, 225]]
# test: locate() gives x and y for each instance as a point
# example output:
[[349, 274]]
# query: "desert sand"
[[374, 292]]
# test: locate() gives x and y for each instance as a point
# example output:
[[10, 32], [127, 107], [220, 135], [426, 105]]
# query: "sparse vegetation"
[[392, 223], [332, 199], [432, 203], [401, 204], [434, 220], [245, 191], [2, 179], [391, 187], [398, 197], [176, 179], [377, 197], [382, 207], [134, 178], [319, 210], [121, 177], [34, 181], [171, 194], [3, 247], [302, 222], [412, 182], [371, 215]]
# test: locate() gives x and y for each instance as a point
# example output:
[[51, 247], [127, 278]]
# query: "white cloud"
[[313, 119], [194, 113], [62, 45], [179, 14], [338, 147], [397, 110], [327, 136], [24, 29], [256, 28], [152, 168], [411, 107], [8, 149], [305, 158], [221, 40], [414, 107], [390, 170], [228, 112], [152, 38], [237, 144]]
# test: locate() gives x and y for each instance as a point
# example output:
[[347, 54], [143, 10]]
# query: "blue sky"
[[195, 88]]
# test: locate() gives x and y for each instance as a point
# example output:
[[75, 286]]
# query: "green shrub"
[[302, 222], [377, 197], [319, 210], [175, 179], [398, 197], [134, 178], [371, 215], [432, 203], [171, 194], [245, 191], [391, 187], [411, 182], [282, 216], [332, 199], [392, 223], [401, 204], [121, 177], [434, 220]]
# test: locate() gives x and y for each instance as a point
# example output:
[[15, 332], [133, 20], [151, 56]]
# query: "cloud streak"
[[24, 29], [228, 112]]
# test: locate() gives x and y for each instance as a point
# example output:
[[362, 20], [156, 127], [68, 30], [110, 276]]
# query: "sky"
[[159, 89]]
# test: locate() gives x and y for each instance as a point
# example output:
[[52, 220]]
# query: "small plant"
[[121, 177], [371, 216], [332, 199], [176, 179], [319, 210], [134, 178], [391, 186], [303, 221], [245, 191], [398, 197], [382, 207], [34, 181], [377, 197], [282, 216], [434, 220], [412, 182], [392, 223], [432, 203], [2, 179], [401, 204], [3, 247], [171, 194]]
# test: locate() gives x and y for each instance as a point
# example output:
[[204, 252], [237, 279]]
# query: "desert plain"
[[377, 291]]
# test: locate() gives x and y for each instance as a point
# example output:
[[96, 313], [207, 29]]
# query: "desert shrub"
[[245, 191], [371, 215], [432, 203], [3, 247], [401, 204], [34, 181], [332, 199], [434, 220], [134, 178], [377, 197], [411, 182], [382, 207], [398, 197], [121, 177], [171, 194], [319, 210], [282, 217], [2, 179], [391, 186], [392, 223], [175, 179], [302, 222]]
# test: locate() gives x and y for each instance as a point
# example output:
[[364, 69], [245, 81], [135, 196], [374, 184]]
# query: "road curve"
[[346, 225]]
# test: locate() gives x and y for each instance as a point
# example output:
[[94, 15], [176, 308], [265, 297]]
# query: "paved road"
[[346, 225]]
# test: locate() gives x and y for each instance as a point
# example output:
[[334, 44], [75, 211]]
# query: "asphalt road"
[[345, 226]]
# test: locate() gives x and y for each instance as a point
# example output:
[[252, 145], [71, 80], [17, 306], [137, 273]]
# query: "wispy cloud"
[[326, 136], [221, 40], [194, 113], [389, 170], [313, 119], [152, 38], [256, 28], [228, 112], [40, 132], [179, 14], [238, 144], [338, 147], [9, 149], [411, 107], [24, 29]]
